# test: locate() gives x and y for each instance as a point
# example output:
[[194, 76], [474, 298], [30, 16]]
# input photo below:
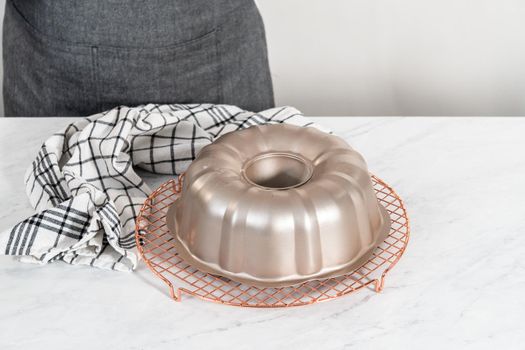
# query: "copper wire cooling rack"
[[155, 245]]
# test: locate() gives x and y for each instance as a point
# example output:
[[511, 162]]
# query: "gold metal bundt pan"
[[277, 205]]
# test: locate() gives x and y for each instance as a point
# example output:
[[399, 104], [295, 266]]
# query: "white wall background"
[[403, 57]]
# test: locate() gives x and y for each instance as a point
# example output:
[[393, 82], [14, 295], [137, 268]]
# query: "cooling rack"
[[155, 245]]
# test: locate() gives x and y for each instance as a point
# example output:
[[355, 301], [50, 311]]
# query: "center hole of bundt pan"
[[277, 170]]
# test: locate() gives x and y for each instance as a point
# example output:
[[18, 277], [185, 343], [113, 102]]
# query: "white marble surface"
[[460, 285]]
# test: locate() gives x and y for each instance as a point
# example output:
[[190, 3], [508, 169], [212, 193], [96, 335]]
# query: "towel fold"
[[84, 187]]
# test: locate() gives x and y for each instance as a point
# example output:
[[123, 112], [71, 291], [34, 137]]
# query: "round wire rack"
[[155, 245]]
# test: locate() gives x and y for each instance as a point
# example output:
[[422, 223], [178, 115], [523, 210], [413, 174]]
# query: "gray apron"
[[64, 58]]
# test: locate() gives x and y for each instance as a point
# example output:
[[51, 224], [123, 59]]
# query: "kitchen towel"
[[84, 186]]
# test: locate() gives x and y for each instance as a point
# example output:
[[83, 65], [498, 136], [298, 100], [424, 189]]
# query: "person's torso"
[[125, 23]]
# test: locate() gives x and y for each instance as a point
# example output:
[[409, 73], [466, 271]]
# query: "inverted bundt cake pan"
[[277, 205]]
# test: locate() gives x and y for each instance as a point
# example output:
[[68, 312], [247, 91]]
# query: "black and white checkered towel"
[[85, 189]]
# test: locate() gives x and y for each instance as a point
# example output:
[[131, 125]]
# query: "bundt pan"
[[277, 205]]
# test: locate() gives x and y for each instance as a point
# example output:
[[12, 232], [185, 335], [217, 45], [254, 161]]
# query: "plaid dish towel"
[[85, 189]]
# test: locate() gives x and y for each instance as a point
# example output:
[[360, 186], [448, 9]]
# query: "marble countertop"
[[460, 284]]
